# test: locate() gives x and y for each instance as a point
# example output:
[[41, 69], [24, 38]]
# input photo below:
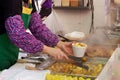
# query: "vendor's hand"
[[55, 52], [66, 47]]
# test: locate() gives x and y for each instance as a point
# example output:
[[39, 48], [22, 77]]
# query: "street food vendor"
[[15, 19]]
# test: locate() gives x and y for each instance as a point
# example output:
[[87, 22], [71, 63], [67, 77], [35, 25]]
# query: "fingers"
[[61, 55], [68, 43], [56, 53], [68, 49], [65, 56]]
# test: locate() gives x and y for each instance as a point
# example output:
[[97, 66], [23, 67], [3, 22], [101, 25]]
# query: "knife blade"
[[79, 61]]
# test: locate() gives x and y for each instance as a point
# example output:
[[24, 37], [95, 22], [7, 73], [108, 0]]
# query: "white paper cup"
[[79, 49]]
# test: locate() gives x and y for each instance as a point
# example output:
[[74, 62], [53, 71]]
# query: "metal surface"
[[45, 64]]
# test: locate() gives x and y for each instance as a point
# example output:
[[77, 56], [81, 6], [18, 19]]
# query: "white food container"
[[79, 49]]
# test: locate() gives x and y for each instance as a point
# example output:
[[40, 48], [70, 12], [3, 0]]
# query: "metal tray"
[[92, 61], [76, 75]]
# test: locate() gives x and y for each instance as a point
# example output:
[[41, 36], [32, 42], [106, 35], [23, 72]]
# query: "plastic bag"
[[99, 44], [99, 36], [54, 24], [111, 70]]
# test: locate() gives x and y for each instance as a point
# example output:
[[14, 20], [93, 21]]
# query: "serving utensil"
[[79, 61], [45, 64], [34, 58], [65, 39]]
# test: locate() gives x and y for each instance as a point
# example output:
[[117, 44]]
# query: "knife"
[[79, 61], [65, 39]]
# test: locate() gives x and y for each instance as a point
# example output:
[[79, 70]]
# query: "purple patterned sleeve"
[[47, 4], [41, 32], [19, 36]]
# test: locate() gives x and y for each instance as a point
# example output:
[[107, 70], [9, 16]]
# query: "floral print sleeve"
[[41, 32], [18, 35]]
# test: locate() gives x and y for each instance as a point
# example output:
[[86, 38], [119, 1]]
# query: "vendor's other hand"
[[66, 47], [55, 52]]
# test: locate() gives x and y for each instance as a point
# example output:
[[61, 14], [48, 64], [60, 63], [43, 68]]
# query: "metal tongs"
[[34, 58], [41, 63], [79, 61], [45, 64], [65, 39], [31, 60]]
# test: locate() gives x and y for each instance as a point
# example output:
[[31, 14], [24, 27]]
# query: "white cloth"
[[18, 72]]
